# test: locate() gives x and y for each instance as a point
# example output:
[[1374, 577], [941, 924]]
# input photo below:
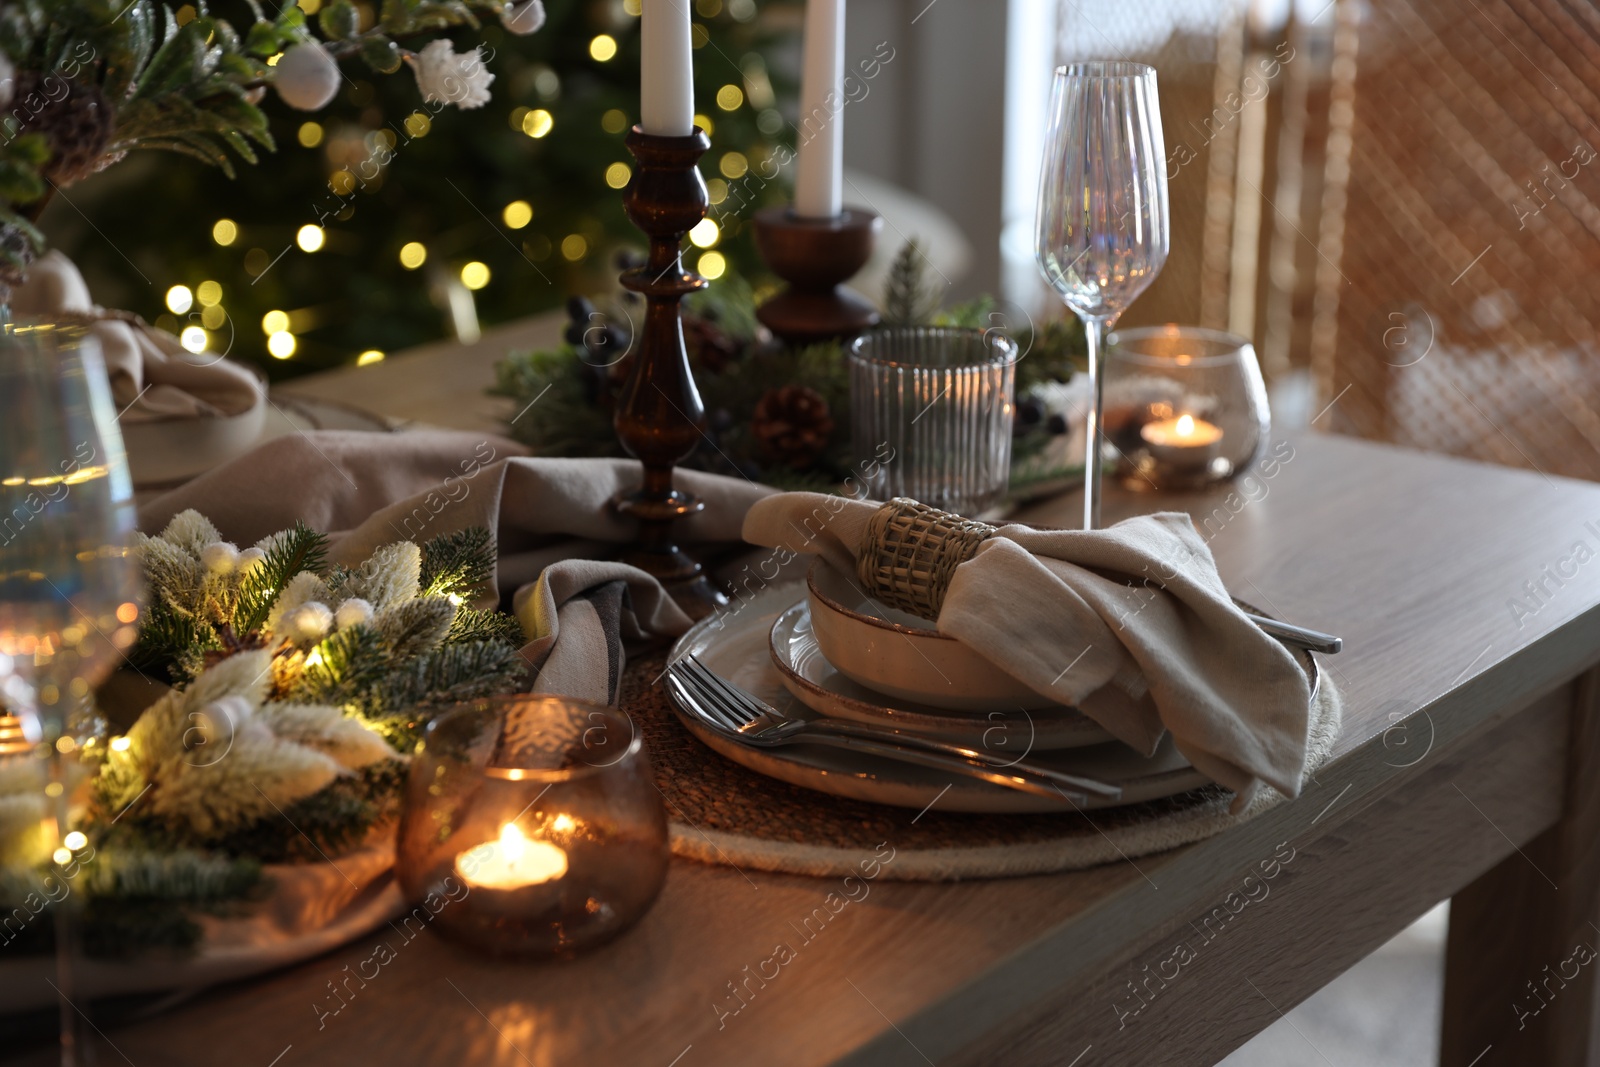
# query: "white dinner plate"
[[735, 643], [826, 690]]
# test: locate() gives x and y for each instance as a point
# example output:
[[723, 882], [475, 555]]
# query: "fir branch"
[[348, 665], [457, 672], [908, 299], [459, 563], [470, 625], [731, 304], [290, 553], [415, 627], [332, 820], [557, 392], [172, 645], [184, 875]]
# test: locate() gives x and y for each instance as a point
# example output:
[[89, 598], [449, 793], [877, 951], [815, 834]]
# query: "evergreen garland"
[[565, 396], [284, 740]]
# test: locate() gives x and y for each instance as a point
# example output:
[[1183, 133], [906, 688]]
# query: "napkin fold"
[[552, 520], [153, 377], [1131, 624]]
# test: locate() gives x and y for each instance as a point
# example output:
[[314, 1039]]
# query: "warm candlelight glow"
[[1185, 431], [513, 862]]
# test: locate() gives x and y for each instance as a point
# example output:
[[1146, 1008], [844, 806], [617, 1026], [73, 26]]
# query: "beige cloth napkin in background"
[[552, 520], [1054, 608], [152, 376]]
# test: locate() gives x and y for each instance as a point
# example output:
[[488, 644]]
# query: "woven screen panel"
[[1468, 287]]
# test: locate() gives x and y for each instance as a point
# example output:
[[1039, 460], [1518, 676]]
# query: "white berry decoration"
[[220, 557], [352, 612], [307, 77], [445, 76], [523, 18]]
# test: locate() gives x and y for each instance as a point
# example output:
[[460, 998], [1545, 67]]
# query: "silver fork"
[[729, 710]]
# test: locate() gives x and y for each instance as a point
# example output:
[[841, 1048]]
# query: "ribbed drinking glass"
[[931, 411]]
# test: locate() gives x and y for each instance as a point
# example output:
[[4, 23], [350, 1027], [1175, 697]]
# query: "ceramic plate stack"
[[824, 649]]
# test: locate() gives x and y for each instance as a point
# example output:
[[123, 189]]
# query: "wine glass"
[[1102, 230], [68, 589]]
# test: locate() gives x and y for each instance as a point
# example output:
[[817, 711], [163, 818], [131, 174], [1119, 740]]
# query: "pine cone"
[[77, 124], [792, 425], [708, 344]]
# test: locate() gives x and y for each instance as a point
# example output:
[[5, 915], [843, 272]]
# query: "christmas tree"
[[378, 214]]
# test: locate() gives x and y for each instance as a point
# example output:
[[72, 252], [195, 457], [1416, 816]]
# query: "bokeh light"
[[705, 233], [309, 238], [225, 232], [179, 299], [413, 255], [281, 344], [537, 122], [475, 275], [517, 214], [712, 265]]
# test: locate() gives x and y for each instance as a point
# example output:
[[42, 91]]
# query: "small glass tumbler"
[[930, 414], [1184, 406], [532, 826]]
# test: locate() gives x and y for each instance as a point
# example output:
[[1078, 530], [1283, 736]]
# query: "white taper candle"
[[819, 168], [666, 69]]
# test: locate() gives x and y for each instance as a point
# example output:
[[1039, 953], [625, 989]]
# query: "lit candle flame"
[[512, 862], [1185, 425]]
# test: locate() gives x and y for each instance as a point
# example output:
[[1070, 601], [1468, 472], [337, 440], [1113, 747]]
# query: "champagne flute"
[[1102, 230], [68, 589]]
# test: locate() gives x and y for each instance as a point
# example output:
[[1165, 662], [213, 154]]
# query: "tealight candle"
[[545, 811], [1183, 442], [513, 862]]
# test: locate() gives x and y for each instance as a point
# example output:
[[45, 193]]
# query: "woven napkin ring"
[[910, 551]]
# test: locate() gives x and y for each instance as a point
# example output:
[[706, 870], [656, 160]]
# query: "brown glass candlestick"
[[659, 417], [816, 256]]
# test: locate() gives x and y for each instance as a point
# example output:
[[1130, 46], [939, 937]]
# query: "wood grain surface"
[[1458, 715]]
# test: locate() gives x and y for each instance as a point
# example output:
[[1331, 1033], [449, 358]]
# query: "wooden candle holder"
[[659, 417], [816, 256]]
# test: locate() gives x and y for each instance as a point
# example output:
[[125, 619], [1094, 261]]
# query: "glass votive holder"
[[1184, 406], [532, 826], [930, 414]]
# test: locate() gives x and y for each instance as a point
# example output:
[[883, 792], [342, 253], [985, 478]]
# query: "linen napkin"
[[1130, 624], [153, 377], [551, 518]]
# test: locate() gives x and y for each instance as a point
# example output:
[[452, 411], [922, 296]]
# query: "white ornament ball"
[[220, 557], [311, 621], [352, 612], [523, 18], [249, 560], [307, 77]]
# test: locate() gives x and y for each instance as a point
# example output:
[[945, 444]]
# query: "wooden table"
[[1467, 769]]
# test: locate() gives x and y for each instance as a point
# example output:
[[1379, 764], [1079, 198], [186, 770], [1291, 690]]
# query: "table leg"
[[1522, 964]]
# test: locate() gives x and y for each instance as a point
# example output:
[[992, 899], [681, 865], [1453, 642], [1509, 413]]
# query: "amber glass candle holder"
[[1184, 406], [532, 826]]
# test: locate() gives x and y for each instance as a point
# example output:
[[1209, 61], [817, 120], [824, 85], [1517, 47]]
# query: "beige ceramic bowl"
[[899, 654]]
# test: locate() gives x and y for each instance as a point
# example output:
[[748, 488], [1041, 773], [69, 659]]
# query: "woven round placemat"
[[723, 813]]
